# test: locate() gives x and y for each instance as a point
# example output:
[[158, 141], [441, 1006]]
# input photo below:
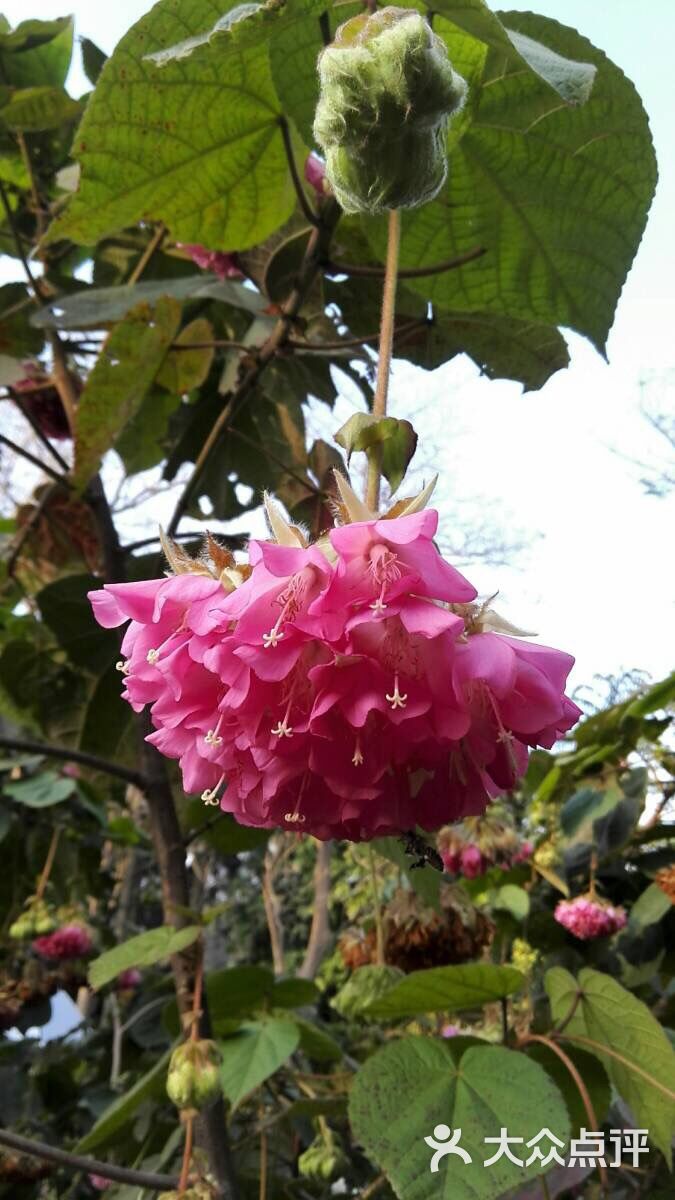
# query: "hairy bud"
[[193, 1080], [324, 1159], [387, 91]]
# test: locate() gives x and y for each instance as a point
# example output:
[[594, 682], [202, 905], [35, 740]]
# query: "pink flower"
[[587, 918], [221, 263], [472, 862], [315, 174], [335, 691], [70, 941], [524, 852], [99, 1182], [450, 1031]]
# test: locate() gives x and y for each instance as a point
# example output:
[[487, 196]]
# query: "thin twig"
[[49, 863], [306, 207], [77, 756], [451, 264], [379, 924], [31, 458], [384, 354], [152, 246], [187, 1154], [315, 252], [76, 1162]]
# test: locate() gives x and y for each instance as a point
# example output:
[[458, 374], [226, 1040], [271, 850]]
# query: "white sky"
[[597, 580]]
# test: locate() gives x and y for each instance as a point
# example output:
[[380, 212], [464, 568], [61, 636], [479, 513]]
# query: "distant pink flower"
[[587, 918], [472, 862], [128, 979], [70, 941], [315, 174], [336, 691], [99, 1182], [525, 852], [221, 263], [71, 770], [450, 1031]]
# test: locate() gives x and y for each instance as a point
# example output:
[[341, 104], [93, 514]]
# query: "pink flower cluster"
[[128, 980], [315, 174], [342, 689], [471, 861], [222, 264], [587, 918], [70, 941], [99, 1182]]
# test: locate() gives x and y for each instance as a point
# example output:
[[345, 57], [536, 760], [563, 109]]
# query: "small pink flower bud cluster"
[[315, 174], [586, 918], [480, 844], [128, 980], [344, 689], [222, 264], [70, 941]]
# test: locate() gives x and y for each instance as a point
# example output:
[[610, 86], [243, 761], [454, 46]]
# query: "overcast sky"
[[556, 464]]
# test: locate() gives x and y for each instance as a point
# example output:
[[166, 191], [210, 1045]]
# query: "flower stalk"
[[385, 353]]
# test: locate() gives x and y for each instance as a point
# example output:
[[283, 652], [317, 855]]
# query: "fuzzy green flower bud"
[[21, 929], [193, 1080], [324, 1159], [387, 92]]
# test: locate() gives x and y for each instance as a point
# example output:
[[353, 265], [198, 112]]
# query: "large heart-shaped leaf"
[[477, 1092], [628, 1040], [199, 138], [556, 196]]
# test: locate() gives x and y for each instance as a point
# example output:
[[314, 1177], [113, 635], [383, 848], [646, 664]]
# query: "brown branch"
[[319, 935], [76, 1162], [315, 253], [407, 327], [151, 248], [308, 211], [450, 264], [28, 746], [272, 907]]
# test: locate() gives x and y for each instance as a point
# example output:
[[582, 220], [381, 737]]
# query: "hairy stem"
[[385, 353], [66, 754], [319, 935]]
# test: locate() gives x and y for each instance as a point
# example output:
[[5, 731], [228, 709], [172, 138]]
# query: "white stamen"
[[213, 738], [397, 700], [211, 796], [282, 730], [294, 818], [357, 757], [273, 637], [123, 667], [152, 657]]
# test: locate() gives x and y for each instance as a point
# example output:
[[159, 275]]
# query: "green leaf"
[[93, 60], [121, 1111], [124, 371], [501, 347], [255, 1053], [65, 609], [424, 881], [37, 52], [572, 81], [294, 993], [31, 110], [17, 337], [586, 806], [660, 695], [200, 139], [477, 1091], [106, 717], [628, 1040], [363, 989], [42, 791], [144, 950], [316, 1043], [447, 989], [397, 438], [528, 182], [592, 1073], [227, 836], [651, 906], [94, 308], [512, 899], [185, 369], [140, 444]]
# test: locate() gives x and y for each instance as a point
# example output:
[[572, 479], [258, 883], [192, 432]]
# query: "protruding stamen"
[[152, 657], [210, 796], [123, 667], [295, 818], [282, 730], [212, 738], [397, 699], [379, 605], [273, 637], [357, 757]]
